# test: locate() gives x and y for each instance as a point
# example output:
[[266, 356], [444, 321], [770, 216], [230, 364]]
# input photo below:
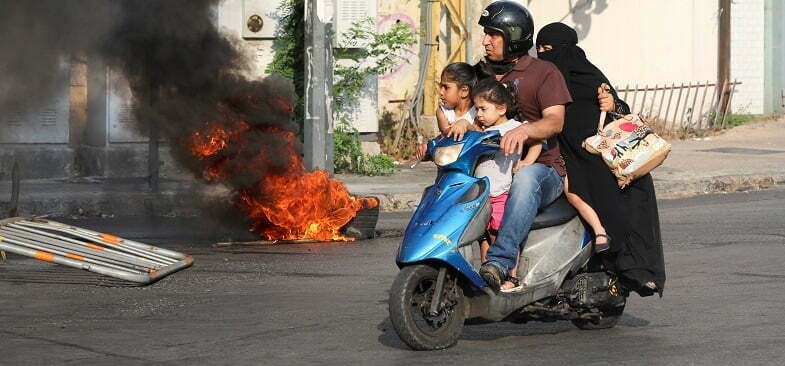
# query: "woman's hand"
[[607, 104], [458, 129]]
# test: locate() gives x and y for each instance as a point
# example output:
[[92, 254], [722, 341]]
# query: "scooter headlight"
[[447, 155]]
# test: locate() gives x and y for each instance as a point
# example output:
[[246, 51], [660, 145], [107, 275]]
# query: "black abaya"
[[630, 215]]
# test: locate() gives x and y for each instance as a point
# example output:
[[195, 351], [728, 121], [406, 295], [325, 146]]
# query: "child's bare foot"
[[510, 283]]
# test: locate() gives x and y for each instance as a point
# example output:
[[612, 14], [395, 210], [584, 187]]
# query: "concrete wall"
[[748, 55], [676, 41], [88, 129], [400, 83], [774, 76], [641, 42]]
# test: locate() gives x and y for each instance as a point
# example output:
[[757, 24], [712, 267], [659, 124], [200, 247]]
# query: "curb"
[[720, 184], [397, 202]]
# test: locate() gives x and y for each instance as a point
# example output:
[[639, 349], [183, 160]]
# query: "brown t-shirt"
[[539, 85]]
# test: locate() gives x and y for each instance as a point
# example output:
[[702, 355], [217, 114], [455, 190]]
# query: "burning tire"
[[410, 302]]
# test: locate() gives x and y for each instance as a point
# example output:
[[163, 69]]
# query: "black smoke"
[[39, 40], [184, 74]]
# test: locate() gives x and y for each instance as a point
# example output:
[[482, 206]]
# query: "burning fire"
[[289, 205]]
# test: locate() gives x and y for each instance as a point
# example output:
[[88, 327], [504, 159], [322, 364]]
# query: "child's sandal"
[[599, 248]]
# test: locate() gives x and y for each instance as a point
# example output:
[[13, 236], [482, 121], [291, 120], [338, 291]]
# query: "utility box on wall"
[[255, 23], [260, 18], [347, 12], [40, 123], [120, 110], [363, 113]]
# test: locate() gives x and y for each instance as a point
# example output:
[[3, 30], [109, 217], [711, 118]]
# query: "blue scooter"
[[439, 287]]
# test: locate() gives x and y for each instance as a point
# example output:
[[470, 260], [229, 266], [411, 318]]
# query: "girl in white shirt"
[[455, 89]]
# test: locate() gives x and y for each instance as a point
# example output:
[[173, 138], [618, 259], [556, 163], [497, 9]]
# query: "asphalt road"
[[327, 303]]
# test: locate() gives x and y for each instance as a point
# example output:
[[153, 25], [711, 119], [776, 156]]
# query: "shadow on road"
[[388, 337], [479, 331]]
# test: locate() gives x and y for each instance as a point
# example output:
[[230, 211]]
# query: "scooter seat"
[[558, 212]]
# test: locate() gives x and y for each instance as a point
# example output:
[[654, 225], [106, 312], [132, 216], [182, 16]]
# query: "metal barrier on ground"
[[101, 253]]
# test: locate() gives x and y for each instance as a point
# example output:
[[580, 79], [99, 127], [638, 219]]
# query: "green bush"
[[734, 120], [349, 158], [289, 59], [380, 53]]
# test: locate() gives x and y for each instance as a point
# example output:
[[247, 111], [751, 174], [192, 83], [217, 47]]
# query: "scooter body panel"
[[440, 222], [550, 254]]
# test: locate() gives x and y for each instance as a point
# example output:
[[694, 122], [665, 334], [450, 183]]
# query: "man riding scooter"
[[541, 99], [439, 285]]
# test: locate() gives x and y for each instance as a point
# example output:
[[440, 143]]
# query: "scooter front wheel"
[[410, 308]]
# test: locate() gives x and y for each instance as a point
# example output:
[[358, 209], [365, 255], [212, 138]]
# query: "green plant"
[[348, 155], [367, 53], [289, 58], [370, 53], [734, 120]]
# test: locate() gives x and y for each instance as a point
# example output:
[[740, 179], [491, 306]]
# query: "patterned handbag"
[[628, 147]]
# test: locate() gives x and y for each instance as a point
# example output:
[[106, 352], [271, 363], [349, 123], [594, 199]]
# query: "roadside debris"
[[101, 253]]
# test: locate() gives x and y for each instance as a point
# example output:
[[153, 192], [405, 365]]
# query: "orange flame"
[[212, 140], [290, 205]]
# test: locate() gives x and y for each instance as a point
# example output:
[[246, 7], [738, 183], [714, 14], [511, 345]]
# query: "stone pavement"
[[748, 157]]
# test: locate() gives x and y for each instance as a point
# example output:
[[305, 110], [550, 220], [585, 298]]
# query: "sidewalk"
[[745, 158], [748, 157]]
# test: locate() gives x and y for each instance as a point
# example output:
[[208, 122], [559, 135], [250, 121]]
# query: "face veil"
[[582, 76]]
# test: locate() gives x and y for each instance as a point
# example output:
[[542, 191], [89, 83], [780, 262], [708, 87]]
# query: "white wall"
[[748, 55], [637, 41]]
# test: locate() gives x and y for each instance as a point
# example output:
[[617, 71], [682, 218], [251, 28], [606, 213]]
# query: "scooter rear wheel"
[[410, 301]]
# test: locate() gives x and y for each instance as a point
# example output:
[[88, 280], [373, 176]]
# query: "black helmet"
[[514, 22]]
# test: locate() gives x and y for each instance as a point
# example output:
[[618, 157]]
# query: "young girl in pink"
[[494, 102]]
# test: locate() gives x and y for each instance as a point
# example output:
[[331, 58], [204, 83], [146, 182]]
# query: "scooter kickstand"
[[437, 295]]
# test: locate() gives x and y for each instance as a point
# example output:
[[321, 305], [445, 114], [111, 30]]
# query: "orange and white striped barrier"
[[101, 253]]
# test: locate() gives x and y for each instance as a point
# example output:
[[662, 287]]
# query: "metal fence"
[[680, 106]]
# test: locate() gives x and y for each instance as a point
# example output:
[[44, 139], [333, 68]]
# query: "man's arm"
[[549, 125]]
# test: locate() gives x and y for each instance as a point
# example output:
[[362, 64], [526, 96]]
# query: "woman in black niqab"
[[630, 215]]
